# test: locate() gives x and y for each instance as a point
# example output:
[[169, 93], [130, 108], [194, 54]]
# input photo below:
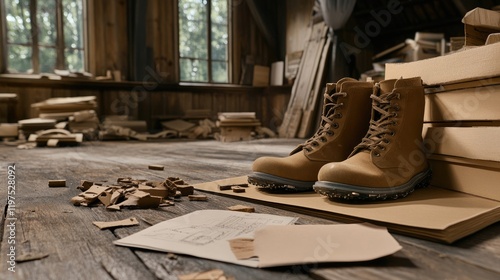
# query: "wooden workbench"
[[48, 224]]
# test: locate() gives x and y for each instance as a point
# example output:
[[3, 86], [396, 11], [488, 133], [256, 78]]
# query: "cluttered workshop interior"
[[249, 139]]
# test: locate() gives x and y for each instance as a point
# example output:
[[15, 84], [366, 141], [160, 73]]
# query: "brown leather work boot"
[[389, 162], [344, 121]]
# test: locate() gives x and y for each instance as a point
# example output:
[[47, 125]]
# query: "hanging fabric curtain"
[[336, 12]]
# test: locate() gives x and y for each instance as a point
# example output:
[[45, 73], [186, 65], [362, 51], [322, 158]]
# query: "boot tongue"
[[341, 82], [386, 86]]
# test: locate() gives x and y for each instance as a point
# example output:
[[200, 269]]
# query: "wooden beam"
[[34, 38], [60, 61], [260, 21], [3, 39]]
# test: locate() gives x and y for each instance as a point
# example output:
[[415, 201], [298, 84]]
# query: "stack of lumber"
[[462, 119], [31, 126], [236, 126], [77, 114], [301, 111], [85, 122], [61, 108]]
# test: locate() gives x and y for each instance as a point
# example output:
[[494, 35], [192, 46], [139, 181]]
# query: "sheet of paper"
[[300, 244], [204, 234]]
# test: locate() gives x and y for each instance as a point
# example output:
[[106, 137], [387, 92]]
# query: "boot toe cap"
[[350, 174], [296, 167]]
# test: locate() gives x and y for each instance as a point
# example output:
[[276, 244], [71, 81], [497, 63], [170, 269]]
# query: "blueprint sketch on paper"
[[203, 233]]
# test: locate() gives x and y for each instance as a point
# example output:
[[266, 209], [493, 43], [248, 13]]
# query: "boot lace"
[[328, 122], [384, 116]]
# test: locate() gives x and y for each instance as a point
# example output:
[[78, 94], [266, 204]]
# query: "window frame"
[[209, 45], [59, 43], [3, 39]]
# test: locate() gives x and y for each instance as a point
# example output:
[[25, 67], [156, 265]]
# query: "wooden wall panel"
[[107, 35], [297, 23]]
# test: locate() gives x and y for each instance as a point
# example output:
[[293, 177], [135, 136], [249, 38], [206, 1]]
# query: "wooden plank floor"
[[47, 223]]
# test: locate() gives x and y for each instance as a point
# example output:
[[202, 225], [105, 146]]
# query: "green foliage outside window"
[[21, 40], [203, 40]]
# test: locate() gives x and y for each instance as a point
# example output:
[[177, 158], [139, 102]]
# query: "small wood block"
[[156, 167], [238, 189], [78, 200], [57, 183], [225, 187], [85, 185], [215, 274], [52, 142], [113, 224], [198, 197], [241, 208], [185, 189]]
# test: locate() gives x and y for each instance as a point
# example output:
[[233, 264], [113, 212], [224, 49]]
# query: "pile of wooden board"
[[77, 114], [61, 108], [462, 119], [301, 111], [236, 126], [31, 126]]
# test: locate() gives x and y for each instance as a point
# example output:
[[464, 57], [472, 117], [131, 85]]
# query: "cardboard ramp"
[[431, 213]]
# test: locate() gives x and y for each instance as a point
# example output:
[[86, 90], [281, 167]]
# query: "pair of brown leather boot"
[[355, 154]]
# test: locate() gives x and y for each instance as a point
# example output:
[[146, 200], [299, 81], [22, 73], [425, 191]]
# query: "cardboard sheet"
[[204, 233], [430, 213], [301, 244]]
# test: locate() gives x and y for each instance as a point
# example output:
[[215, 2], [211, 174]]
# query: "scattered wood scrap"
[[113, 224], [215, 274], [131, 193], [238, 189], [241, 208], [56, 137], [242, 248], [156, 167], [57, 183]]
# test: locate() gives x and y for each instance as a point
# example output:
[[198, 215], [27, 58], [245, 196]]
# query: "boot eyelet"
[[382, 148], [338, 116], [387, 141], [322, 139], [314, 144], [392, 133], [395, 114], [335, 125], [329, 133], [376, 154]]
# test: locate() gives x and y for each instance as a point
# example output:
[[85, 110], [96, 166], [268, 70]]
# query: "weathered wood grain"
[[48, 223]]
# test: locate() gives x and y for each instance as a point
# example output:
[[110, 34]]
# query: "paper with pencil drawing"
[[206, 234]]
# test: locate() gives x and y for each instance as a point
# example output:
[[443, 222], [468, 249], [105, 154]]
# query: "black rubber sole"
[[337, 191], [270, 182]]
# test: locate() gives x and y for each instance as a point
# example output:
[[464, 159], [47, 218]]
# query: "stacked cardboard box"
[[236, 126], [462, 116]]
